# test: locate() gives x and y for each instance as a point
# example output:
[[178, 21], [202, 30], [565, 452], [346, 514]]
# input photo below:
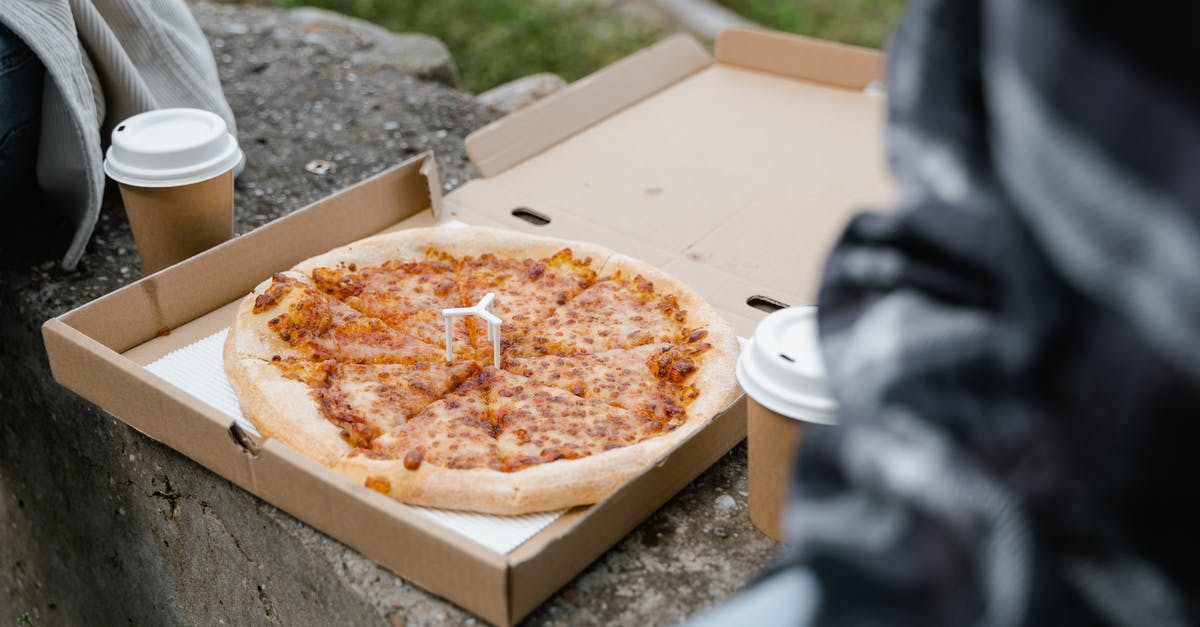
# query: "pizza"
[[606, 364]]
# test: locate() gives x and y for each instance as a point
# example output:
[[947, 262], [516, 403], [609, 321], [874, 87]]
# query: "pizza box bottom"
[[100, 349]]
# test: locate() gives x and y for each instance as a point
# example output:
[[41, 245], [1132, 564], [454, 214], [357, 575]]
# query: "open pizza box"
[[734, 174]]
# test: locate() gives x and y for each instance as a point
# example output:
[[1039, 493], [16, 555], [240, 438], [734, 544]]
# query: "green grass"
[[862, 22], [495, 41]]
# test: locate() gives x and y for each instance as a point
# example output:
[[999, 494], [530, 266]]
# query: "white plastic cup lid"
[[781, 367], [171, 147]]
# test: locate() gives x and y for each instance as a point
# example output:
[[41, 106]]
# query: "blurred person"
[[20, 102], [1016, 347], [69, 71]]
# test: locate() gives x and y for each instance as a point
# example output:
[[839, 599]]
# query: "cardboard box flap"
[[750, 174], [531, 130], [433, 181], [804, 58]]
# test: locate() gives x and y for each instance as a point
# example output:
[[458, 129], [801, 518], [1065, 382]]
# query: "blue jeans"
[[21, 75]]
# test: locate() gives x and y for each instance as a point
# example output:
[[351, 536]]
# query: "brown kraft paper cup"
[[772, 440], [175, 168], [171, 224], [781, 371]]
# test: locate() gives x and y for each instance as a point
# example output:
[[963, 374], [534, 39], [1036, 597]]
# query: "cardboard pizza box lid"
[[734, 174]]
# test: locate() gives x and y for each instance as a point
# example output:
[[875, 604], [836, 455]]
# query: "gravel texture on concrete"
[[101, 525]]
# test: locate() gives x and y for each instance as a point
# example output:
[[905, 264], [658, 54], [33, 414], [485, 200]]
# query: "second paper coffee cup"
[[175, 169], [783, 375]]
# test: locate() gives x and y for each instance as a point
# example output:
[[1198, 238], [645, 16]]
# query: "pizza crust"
[[556, 485], [283, 409], [287, 410], [715, 377], [246, 339], [699, 312], [412, 244]]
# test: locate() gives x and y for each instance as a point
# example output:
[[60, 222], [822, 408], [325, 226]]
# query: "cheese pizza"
[[606, 364]]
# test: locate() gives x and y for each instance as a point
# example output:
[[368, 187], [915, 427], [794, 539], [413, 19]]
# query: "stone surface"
[[101, 525], [418, 54], [526, 90]]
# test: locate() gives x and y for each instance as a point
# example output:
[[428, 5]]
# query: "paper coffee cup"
[[780, 369], [175, 169]]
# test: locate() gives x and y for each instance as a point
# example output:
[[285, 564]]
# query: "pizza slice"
[[408, 295], [507, 422], [367, 400], [527, 290], [302, 322], [283, 406], [490, 444], [652, 381], [454, 432], [539, 423], [612, 313]]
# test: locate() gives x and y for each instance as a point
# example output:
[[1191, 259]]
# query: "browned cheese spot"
[[280, 284], [379, 484]]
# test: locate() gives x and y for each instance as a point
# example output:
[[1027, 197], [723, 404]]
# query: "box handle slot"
[[249, 446], [531, 216], [765, 303]]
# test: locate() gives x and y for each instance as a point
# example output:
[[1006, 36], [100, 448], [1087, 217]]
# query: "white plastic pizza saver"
[[781, 367], [482, 309]]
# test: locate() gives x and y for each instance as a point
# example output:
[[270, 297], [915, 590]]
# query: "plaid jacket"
[[1016, 347]]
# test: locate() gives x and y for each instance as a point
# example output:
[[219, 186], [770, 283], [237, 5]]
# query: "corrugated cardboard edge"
[[804, 58], [433, 181], [84, 347], [531, 130]]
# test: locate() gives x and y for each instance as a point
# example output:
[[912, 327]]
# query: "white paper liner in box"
[[198, 369]]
